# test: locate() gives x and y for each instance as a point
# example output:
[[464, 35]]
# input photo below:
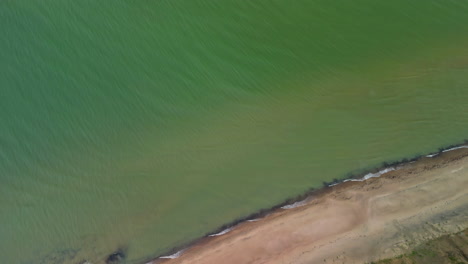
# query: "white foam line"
[[294, 205], [378, 174], [372, 175], [447, 150], [254, 220], [450, 149], [367, 176], [222, 232], [174, 256]]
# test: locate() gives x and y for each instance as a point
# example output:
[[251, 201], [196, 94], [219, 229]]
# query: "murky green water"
[[144, 124]]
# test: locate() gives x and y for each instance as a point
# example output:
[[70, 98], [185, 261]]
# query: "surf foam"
[[450, 149], [372, 175], [227, 230], [447, 150], [367, 176], [174, 256], [294, 205]]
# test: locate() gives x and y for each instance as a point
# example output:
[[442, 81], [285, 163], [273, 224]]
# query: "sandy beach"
[[352, 222]]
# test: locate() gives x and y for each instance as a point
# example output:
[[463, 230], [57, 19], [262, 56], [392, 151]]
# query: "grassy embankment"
[[450, 249]]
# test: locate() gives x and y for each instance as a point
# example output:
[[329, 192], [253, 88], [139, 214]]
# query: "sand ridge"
[[353, 222]]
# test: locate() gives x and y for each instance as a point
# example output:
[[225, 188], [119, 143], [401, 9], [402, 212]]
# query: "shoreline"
[[304, 200]]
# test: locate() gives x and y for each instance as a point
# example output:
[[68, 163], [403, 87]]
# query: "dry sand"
[[353, 222]]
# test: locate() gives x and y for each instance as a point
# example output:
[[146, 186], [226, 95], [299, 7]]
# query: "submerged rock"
[[116, 257]]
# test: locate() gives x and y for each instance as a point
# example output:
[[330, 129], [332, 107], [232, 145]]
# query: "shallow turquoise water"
[[144, 124]]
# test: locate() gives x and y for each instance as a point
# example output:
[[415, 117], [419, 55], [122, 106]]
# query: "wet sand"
[[352, 222]]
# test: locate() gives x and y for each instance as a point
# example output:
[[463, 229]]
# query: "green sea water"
[[145, 124]]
